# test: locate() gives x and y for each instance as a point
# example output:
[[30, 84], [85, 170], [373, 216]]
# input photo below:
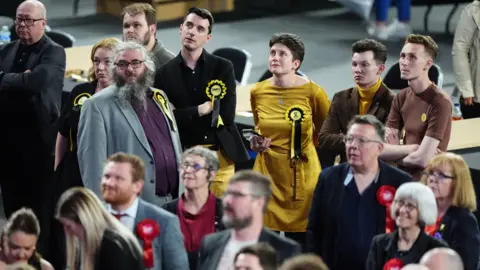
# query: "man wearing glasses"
[[132, 117], [31, 80], [349, 205], [244, 204]]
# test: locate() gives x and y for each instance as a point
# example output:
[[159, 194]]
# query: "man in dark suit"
[[140, 25], [202, 88], [122, 181], [244, 203], [31, 80], [349, 202], [369, 96]]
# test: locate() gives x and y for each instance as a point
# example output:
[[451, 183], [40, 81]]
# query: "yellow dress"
[[289, 206]]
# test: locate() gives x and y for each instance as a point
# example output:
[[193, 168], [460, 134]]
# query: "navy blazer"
[[324, 222], [459, 229], [384, 247]]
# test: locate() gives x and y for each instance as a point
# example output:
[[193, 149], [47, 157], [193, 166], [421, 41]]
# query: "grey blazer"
[[168, 248], [107, 126]]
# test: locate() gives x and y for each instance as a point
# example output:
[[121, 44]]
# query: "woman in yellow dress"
[[288, 112]]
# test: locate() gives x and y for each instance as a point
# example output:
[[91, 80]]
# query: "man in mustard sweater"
[[368, 96]]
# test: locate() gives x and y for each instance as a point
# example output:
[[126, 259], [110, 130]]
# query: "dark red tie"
[[118, 216]]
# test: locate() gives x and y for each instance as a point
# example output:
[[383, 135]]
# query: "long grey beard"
[[134, 92]]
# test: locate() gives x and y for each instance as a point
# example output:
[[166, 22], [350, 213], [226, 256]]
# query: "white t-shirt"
[[233, 246]]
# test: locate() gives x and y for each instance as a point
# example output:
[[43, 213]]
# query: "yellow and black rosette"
[[160, 99], [216, 90], [295, 115], [78, 100]]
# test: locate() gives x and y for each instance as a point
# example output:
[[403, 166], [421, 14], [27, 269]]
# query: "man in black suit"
[[202, 88], [244, 203], [31, 80], [349, 202]]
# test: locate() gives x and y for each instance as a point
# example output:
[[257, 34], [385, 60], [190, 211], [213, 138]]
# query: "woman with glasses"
[[67, 171], [198, 210], [19, 239], [448, 176], [412, 209]]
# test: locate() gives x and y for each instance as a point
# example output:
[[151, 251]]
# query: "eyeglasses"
[[195, 166], [360, 140], [408, 206], [124, 64], [28, 22], [438, 175], [237, 194]]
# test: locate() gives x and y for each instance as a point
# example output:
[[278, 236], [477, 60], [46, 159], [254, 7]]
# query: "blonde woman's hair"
[[463, 193], [82, 206], [108, 43]]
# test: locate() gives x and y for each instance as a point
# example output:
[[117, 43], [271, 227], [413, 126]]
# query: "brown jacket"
[[345, 105]]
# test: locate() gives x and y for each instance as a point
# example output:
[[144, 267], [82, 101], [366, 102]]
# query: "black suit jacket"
[[116, 253], [459, 230], [384, 247], [196, 130], [345, 105], [324, 223], [42, 87], [213, 246]]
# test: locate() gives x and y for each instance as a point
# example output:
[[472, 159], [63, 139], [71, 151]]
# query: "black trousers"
[[469, 111], [28, 183]]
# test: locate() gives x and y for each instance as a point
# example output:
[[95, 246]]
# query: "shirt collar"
[[201, 59], [130, 211], [36, 46], [349, 177]]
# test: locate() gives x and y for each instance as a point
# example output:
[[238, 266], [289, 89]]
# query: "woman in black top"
[[449, 178], [19, 239], [413, 207], [104, 243], [67, 171], [66, 162]]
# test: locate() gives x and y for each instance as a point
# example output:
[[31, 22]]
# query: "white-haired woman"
[[413, 207], [105, 243]]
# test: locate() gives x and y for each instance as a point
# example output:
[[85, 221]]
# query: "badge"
[[424, 118], [159, 98], [78, 101], [393, 264], [295, 113], [216, 89]]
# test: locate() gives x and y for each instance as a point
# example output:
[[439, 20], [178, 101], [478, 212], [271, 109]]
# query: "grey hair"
[[451, 259], [134, 46], [211, 157], [368, 119], [260, 184], [423, 195]]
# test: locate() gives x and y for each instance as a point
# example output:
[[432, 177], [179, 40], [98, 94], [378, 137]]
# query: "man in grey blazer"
[[130, 116], [121, 183], [244, 203]]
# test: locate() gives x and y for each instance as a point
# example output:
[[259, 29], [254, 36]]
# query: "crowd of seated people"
[[144, 177]]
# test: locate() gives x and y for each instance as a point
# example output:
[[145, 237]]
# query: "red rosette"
[[393, 264], [148, 230], [386, 194]]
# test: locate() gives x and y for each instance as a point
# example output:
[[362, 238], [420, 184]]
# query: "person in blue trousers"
[[399, 28]]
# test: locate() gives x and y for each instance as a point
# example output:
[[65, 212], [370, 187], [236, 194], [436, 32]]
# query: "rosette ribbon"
[[393, 264], [216, 90], [385, 196], [148, 230]]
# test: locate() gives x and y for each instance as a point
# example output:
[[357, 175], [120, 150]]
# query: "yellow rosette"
[[78, 100], [216, 90], [160, 99], [295, 115]]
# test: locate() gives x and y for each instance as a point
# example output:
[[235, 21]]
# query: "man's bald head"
[[442, 259], [415, 266], [36, 5]]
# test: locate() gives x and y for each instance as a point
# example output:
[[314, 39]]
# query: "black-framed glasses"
[[27, 21], [438, 175], [195, 166], [360, 140], [122, 64]]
